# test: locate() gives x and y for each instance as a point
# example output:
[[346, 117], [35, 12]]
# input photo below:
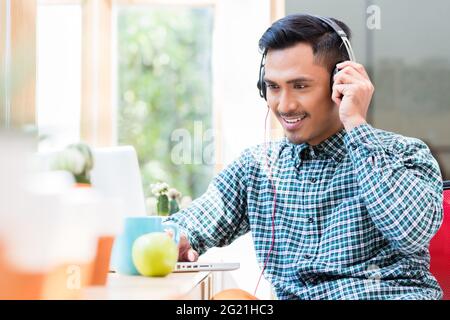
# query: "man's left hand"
[[352, 93]]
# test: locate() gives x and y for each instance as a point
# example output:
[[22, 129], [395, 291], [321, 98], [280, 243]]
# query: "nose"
[[287, 104]]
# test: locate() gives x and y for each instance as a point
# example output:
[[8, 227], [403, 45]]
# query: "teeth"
[[295, 120]]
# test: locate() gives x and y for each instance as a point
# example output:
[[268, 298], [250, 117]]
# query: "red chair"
[[440, 248]]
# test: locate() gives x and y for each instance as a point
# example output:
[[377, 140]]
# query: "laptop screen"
[[116, 174]]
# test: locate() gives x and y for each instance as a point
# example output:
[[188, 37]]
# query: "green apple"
[[155, 254]]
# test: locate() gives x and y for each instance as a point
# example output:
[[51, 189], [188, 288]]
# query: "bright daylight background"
[[141, 73]]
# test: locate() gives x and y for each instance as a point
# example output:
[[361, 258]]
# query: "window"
[[112, 72], [164, 92], [58, 75], [18, 64]]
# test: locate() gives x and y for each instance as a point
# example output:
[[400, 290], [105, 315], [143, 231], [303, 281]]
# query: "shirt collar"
[[333, 147]]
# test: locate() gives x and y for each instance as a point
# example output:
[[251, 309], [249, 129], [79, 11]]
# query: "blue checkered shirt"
[[354, 215]]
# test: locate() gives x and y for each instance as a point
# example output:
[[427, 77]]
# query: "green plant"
[[77, 159], [167, 199], [174, 197], [162, 201]]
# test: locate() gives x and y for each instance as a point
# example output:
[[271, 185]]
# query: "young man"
[[353, 207]]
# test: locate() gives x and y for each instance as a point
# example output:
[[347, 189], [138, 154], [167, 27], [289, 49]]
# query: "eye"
[[299, 86], [272, 86]]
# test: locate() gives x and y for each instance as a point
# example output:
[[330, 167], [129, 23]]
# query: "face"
[[299, 95]]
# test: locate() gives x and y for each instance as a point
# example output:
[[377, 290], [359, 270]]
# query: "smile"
[[294, 120], [293, 123]]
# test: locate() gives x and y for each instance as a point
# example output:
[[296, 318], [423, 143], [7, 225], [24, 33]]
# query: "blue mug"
[[134, 227]]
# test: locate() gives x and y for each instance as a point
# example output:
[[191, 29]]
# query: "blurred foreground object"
[[233, 294], [77, 159], [50, 232]]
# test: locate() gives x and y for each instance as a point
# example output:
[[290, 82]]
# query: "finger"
[[349, 72], [169, 233], [189, 255], [340, 90], [192, 255], [186, 253], [348, 78], [183, 255], [336, 95], [343, 88], [357, 66]]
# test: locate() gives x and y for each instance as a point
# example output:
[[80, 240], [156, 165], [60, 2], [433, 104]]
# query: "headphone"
[[326, 22], [263, 93]]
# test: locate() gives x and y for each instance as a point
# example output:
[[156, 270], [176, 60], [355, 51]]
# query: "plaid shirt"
[[354, 215]]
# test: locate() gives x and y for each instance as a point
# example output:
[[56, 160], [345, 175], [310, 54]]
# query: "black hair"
[[326, 44]]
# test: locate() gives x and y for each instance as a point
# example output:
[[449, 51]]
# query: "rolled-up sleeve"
[[219, 216], [401, 184]]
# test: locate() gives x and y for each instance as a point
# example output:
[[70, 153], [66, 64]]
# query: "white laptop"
[[206, 266], [116, 174]]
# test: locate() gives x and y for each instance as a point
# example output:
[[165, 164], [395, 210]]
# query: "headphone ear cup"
[[262, 85], [264, 90], [333, 73]]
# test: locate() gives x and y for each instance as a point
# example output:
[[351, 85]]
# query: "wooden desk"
[[187, 285]]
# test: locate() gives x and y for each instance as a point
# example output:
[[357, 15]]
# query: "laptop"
[[206, 266], [116, 174]]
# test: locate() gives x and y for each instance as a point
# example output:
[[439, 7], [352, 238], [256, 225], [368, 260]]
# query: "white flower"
[[159, 188], [173, 193], [164, 186]]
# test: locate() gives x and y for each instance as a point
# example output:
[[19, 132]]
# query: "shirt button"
[[310, 219], [313, 180], [307, 256], [353, 146]]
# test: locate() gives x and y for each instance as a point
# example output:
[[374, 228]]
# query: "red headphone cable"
[[269, 175]]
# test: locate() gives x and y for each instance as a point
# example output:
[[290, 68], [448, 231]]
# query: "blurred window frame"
[[17, 70]]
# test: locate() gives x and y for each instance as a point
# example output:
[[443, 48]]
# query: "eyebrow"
[[299, 79]]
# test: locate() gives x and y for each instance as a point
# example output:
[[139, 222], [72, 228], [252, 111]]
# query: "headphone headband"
[[332, 24], [341, 33]]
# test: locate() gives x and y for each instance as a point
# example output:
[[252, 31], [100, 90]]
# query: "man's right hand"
[[185, 251]]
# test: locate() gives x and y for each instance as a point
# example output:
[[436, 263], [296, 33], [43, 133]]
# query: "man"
[[353, 207]]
